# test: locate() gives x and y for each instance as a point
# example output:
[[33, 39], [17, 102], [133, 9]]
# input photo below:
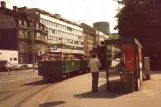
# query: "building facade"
[[11, 56], [115, 36], [89, 37], [100, 36], [104, 27], [20, 30], [63, 35]]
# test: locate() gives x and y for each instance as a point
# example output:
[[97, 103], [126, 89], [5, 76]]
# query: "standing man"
[[94, 65]]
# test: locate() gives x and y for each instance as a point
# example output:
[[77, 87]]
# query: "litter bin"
[[147, 67], [127, 81]]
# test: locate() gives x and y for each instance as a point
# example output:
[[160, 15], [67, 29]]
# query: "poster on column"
[[128, 51]]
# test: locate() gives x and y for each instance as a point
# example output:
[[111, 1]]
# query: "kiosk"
[[129, 52]]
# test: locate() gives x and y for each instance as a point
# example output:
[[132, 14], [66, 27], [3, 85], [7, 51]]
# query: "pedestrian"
[[94, 65]]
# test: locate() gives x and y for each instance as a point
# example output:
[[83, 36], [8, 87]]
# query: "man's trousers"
[[95, 76]]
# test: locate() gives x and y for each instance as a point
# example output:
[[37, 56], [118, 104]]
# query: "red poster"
[[129, 58]]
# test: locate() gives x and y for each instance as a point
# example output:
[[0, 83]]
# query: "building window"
[[38, 36], [15, 59], [69, 29], [81, 43], [26, 35], [19, 21], [37, 25], [21, 59], [27, 47], [76, 42], [41, 21], [21, 46], [20, 33], [10, 59], [25, 23], [26, 59], [37, 12], [53, 31]]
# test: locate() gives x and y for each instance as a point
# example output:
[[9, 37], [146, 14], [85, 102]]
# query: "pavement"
[[76, 92]]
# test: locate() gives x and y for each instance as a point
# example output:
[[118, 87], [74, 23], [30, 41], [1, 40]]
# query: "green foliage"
[[142, 19]]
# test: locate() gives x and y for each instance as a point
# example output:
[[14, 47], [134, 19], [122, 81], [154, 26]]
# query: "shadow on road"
[[49, 104], [40, 82], [113, 92]]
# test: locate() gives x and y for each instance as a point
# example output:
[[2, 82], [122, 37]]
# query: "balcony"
[[23, 37]]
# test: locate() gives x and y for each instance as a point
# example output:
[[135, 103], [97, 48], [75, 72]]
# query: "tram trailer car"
[[55, 69]]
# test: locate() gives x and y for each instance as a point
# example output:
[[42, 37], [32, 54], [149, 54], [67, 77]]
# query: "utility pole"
[[33, 45]]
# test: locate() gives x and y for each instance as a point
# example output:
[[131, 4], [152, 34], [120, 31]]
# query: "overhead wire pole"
[[33, 44]]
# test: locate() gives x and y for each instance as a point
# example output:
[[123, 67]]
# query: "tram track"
[[31, 95], [21, 96]]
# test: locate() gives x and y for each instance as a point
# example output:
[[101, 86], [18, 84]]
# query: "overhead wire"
[[37, 4], [13, 3]]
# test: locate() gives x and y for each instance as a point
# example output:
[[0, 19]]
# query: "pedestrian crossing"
[[17, 77]]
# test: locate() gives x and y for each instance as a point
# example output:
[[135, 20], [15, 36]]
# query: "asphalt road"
[[76, 92]]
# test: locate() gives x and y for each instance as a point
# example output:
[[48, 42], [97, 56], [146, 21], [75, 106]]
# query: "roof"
[[10, 12], [55, 16], [88, 29], [124, 41]]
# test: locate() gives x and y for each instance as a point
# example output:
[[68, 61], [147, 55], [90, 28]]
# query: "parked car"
[[7, 67], [21, 67], [30, 66]]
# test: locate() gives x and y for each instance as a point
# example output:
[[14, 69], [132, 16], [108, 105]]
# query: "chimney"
[[15, 9], [58, 15], [3, 4]]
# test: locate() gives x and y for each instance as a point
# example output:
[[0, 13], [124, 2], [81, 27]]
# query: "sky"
[[88, 11]]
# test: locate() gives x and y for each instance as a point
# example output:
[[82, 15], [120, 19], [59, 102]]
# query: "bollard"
[[8, 71]]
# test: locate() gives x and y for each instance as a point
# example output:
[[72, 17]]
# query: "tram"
[[58, 66]]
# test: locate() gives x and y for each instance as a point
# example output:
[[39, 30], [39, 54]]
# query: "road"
[[76, 92], [17, 76]]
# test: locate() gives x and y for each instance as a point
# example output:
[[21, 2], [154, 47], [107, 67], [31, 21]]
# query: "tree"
[[142, 19]]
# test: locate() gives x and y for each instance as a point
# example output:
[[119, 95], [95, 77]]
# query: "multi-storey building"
[[89, 37], [104, 27], [63, 35], [17, 31]]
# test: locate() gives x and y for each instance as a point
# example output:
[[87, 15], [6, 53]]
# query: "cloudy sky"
[[89, 11]]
